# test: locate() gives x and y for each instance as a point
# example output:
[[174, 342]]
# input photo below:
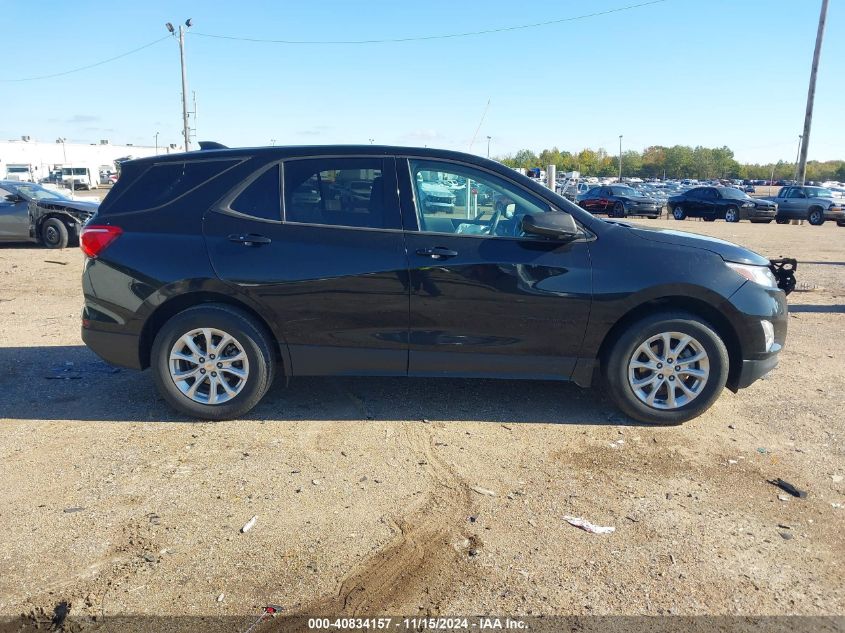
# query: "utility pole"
[[620, 158], [186, 129], [811, 95], [798, 156]]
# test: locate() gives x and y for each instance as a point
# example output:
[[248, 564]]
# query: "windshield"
[[35, 192], [17, 170], [74, 171], [626, 191], [733, 194], [818, 192]]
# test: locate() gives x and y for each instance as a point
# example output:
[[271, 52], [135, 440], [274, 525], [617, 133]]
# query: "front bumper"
[[753, 370], [760, 214], [837, 215]]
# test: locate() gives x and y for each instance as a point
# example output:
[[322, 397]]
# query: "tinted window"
[[163, 183], [795, 193], [262, 197], [338, 192], [733, 194], [454, 198]]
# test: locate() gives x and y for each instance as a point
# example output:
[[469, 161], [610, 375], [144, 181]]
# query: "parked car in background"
[[814, 204], [239, 281], [435, 196], [619, 201], [725, 203], [32, 213]]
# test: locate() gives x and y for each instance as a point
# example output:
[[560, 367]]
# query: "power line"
[[433, 37], [94, 65]]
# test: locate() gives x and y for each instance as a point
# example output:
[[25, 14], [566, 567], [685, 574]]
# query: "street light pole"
[[811, 95], [156, 143], [620, 158], [488, 146]]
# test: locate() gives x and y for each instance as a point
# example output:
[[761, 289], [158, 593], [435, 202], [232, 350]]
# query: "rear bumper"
[[115, 348]]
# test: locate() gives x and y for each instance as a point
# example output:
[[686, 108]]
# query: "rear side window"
[[338, 192], [262, 198], [164, 183]]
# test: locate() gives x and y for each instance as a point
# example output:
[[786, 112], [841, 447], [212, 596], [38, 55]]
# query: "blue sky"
[[708, 72]]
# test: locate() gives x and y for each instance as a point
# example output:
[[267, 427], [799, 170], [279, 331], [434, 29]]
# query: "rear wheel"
[[732, 214], [709, 218], [816, 217], [618, 210], [54, 233], [840, 223], [667, 368], [679, 213], [212, 362], [781, 220]]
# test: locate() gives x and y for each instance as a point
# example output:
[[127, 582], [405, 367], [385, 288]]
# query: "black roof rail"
[[211, 145]]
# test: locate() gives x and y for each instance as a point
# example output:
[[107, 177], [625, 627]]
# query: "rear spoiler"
[[784, 271], [211, 145]]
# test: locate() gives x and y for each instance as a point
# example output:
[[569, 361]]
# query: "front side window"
[[795, 193], [456, 199], [347, 192]]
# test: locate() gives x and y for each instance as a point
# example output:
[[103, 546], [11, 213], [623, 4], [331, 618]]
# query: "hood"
[[728, 251], [75, 205]]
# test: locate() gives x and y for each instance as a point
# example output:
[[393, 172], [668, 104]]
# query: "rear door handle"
[[437, 252], [250, 239]]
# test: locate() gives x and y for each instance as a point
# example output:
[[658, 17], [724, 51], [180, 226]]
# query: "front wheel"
[[678, 213], [816, 217], [781, 220], [732, 214], [618, 210], [212, 362], [667, 368], [54, 233]]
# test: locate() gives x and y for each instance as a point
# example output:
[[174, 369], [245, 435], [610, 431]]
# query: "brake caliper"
[[784, 271]]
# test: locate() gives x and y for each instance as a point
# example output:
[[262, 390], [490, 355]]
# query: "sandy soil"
[[366, 490]]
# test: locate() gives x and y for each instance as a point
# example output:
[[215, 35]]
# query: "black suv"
[[222, 267]]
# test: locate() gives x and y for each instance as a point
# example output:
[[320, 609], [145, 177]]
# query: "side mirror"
[[553, 224], [13, 198]]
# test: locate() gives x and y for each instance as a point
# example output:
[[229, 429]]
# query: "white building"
[[44, 156]]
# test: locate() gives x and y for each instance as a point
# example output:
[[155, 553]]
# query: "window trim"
[[586, 235]]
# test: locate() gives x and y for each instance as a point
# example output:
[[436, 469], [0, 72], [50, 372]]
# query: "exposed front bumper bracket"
[[784, 271]]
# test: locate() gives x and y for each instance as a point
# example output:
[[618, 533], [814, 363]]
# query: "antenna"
[[474, 136]]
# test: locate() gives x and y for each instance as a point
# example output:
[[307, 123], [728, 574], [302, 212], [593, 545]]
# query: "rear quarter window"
[[163, 183]]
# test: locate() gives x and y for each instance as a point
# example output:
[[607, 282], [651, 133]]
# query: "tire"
[[618, 210], [840, 223], [816, 216], [709, 219], [731, 214], [619, 374], [678, 213], [249, 340], [781, 220], [652, 217], [54, 233], [761, 221]]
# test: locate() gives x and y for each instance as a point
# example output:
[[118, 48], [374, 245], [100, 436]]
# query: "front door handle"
[[437, 252], [250, 239]]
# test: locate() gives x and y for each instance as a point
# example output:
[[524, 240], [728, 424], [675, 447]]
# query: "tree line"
[[678, 161]]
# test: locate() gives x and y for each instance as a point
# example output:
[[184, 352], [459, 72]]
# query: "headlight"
[[747, 205], [758, 274], [768, 334]]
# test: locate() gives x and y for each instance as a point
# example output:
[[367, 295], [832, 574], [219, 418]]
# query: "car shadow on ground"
[[71, 383], [799, 307]]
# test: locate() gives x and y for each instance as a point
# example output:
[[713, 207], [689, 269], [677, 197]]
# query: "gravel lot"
[[395, 496]]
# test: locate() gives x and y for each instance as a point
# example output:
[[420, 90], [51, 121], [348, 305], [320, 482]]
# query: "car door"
[[14, 217], [486, 300], [711, 204], [796, 203], [330, 271]]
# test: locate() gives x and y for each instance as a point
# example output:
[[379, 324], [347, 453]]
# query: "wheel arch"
[[698, 307], [176, 304]]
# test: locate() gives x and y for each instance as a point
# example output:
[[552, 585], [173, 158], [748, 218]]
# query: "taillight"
[[94, 239]]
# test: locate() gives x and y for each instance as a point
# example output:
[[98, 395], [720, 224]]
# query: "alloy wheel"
[[668, 370], [209, 366]]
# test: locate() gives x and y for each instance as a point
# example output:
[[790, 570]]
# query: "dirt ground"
[[396, 496]]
